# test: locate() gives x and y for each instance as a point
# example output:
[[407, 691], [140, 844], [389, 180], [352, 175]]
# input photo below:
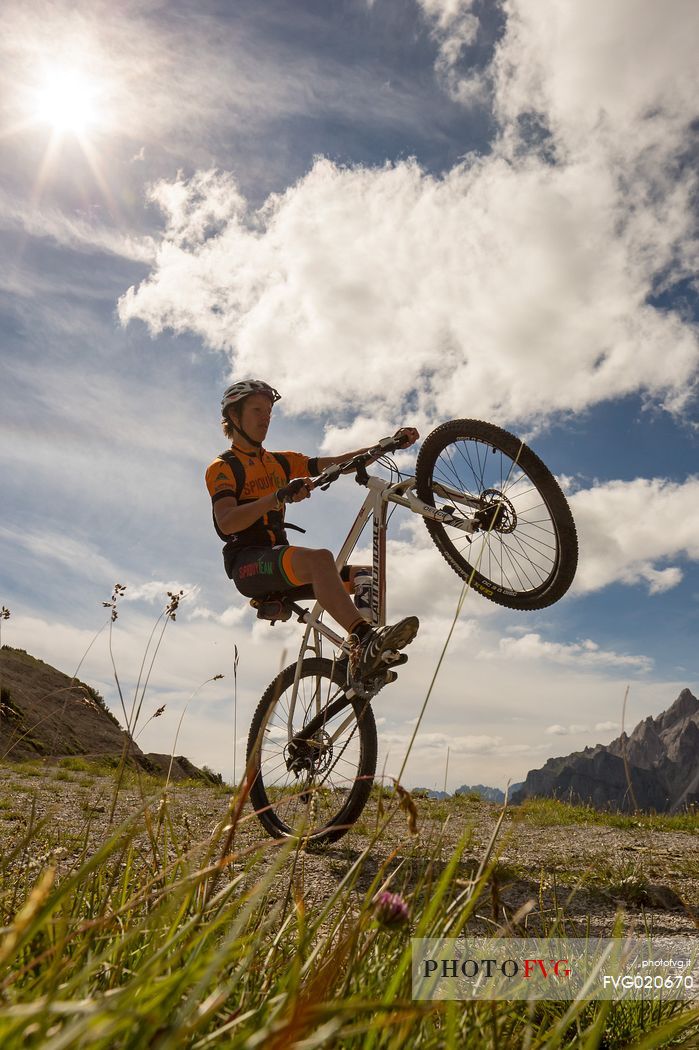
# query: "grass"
[[546, 812], [151, 940], [107, 767], [29, 768], [147, 938]]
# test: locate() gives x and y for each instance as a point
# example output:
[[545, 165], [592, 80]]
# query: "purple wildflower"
[[390, 909]]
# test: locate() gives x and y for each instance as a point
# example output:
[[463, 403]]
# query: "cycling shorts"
[[257, 571]]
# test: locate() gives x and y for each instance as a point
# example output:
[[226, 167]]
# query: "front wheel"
[[311, 789], [524, 552]]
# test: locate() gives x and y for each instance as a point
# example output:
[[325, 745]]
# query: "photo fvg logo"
[[510, 968], [555, 968]]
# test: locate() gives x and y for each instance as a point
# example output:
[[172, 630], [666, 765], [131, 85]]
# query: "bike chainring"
[[367, 688]]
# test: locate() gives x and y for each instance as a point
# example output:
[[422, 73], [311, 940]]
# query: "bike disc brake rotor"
[[309, 756], [497, 514]]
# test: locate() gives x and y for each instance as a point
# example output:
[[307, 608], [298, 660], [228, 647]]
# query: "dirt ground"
[[582, 875]]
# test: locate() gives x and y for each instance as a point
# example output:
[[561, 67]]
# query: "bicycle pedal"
[[367, 688]]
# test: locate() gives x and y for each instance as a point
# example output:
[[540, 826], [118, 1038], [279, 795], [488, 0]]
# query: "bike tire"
[[322, 807], [528, 558]]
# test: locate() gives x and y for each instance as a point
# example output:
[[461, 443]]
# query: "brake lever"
[[329, 475]]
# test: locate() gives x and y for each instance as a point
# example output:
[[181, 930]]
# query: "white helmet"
[[244, 388]]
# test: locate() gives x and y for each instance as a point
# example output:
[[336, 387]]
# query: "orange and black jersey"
[[250, 476]]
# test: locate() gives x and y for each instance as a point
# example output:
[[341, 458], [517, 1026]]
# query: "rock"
[[46, 714], [53, 715], [656, 767]]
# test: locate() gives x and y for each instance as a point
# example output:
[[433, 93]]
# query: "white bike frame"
[[380, 494]]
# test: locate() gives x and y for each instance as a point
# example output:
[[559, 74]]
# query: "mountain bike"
[[499, 519]]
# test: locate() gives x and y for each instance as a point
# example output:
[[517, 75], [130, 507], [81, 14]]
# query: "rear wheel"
[[525, 551], [315, 789]]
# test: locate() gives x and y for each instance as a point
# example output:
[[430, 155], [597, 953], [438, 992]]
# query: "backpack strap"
[[238, 469], [286, 468], [284, 464]]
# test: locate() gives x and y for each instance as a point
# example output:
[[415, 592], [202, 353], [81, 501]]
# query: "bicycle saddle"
[[279, 606]]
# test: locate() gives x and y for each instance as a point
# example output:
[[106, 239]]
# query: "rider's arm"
[[330, 461], [411, 436], [232, 518]]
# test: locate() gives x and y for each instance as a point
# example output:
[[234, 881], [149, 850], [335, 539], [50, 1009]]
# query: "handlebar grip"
[[285, 493]]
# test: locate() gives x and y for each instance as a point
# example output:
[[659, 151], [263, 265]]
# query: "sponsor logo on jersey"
[[256, 487]]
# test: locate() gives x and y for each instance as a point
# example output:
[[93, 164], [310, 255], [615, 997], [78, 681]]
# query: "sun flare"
[[67, 101], [74, 105]]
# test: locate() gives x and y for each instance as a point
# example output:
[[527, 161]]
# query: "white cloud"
[[629, 529], [79, 233], [513, 285], [230, 616], [605, 727], [585, 654], [76, 554], [619, 78], [571, 730], [468, 744], [514, 288], [158, 591], [454, 26], [84, 559]]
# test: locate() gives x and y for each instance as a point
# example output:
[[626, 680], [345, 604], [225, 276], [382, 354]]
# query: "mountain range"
[[656, 767], [489, 794]]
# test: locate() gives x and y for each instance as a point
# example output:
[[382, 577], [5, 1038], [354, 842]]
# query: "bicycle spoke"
[[315, 780], [522, 559]]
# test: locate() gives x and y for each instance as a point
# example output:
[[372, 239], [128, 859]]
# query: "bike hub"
[[497, 513], [309, 756]]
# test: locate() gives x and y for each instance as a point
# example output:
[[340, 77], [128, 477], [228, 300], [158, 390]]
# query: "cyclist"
[[250, 488]]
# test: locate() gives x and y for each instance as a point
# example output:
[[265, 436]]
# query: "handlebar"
[[357, 463]]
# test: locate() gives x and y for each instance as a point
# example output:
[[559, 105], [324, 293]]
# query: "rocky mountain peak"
[[656, 766], [686, 706]]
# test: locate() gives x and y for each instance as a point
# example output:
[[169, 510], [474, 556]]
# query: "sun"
[[75, 104], [67, 101]]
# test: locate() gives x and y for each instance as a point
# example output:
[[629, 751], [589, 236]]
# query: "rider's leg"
[[317, 567], [368, 644]]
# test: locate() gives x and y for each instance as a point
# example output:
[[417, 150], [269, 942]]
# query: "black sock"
[[360, 627]]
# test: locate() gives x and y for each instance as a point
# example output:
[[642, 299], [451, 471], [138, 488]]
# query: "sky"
[[398, 212]]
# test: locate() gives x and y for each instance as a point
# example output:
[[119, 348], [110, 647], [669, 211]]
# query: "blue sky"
[[398, 213]]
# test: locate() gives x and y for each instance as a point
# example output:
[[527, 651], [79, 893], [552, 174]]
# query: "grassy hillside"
[[44, 712]]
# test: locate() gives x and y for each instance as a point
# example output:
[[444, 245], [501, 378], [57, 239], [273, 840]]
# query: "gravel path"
[[587, 873]]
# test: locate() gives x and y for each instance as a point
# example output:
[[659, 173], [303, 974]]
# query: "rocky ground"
[[584, 874]]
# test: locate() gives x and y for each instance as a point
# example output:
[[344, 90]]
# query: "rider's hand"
[[296, 490], [408, 436]]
